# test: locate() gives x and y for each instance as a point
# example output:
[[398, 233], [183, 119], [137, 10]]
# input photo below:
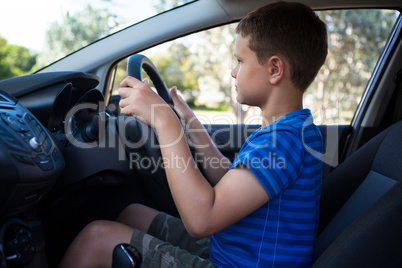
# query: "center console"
[[30, 164]]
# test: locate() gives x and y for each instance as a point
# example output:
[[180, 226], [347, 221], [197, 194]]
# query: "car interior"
[[66, 151]]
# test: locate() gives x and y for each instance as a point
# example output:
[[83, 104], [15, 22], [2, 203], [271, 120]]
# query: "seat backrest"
[[361, 207]]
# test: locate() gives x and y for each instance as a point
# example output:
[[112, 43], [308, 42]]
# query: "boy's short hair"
[[290, 30]]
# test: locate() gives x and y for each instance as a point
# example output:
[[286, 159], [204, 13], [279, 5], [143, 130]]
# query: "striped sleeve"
[[274, 158]]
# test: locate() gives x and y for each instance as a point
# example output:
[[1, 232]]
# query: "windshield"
[[34, 34]]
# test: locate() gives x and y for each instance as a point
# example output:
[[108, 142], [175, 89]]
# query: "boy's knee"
[[97, 230], [90, 246]]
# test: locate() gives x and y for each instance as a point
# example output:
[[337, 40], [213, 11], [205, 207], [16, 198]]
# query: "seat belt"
[[398, 103]]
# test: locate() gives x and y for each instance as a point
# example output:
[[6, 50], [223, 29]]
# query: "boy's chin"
[[241, 100]]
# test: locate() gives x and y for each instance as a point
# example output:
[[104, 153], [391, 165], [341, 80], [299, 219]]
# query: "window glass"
[[200, 65], [35, 34]]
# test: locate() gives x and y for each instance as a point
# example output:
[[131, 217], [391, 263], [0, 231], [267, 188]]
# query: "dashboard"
[[32, 112], [29, 159], [56, 135], [33, 157]]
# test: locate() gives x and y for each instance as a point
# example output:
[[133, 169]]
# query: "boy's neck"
[[280, 105]]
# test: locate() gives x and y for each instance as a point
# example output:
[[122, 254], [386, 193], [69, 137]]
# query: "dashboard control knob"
[[34, 143]]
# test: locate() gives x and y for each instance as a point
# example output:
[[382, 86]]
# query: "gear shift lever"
[[126, 256]]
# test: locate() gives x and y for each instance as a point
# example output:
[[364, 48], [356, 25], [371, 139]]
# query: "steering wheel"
[[138, 62], [142, 143]]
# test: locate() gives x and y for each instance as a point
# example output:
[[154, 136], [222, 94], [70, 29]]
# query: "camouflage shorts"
[[167, 244]]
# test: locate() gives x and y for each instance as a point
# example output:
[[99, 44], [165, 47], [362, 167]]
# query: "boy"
[[256, 214]]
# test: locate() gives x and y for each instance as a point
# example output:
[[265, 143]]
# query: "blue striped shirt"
[[286, 158]]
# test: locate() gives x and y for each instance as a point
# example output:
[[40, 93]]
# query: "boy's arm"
[[204, 209], [213, 163]]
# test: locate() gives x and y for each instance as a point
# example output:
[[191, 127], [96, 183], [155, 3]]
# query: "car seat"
[[361, 207]]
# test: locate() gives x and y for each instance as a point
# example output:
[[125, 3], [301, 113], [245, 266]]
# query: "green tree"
[[356, 40], [214, 54], [14, 60], [76, 31], [5, 68], [177, 69]]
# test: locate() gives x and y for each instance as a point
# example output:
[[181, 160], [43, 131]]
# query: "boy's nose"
[[233, 72]]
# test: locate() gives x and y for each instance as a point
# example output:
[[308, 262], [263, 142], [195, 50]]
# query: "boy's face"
[[252, 78]]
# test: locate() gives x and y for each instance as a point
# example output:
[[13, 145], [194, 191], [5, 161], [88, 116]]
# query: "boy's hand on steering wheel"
[[137, 98]]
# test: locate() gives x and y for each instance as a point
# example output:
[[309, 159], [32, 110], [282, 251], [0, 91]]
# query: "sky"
[[25, 22]]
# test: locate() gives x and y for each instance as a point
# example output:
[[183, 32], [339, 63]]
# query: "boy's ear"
[[276, 69]]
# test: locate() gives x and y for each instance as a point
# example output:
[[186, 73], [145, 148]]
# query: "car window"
[[200, 65], [37, 33]]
